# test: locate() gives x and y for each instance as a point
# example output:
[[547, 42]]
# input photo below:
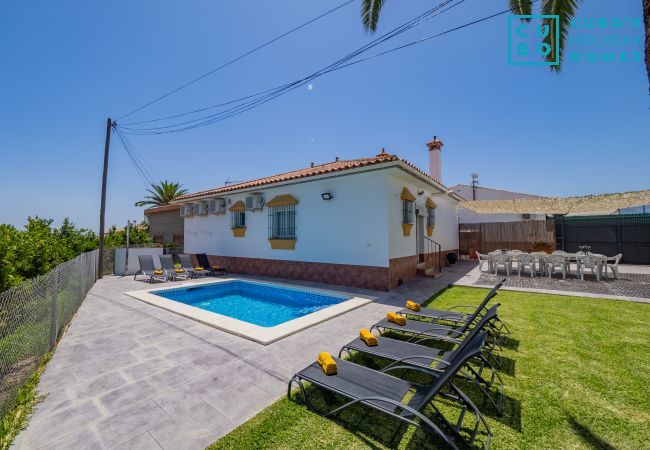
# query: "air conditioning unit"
[[254, 202], [217, 206], [201, 209]]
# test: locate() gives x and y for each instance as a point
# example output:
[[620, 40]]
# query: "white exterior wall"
[[352, 228], [465, 216], [446, 229]]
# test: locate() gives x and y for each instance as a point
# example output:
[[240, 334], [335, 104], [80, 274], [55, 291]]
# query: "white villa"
[[370, 222]]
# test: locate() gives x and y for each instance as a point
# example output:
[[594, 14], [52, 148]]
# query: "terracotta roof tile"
[[321, 169], [160, 209]]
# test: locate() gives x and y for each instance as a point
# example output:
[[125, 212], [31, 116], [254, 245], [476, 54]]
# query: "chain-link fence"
[[33, 316]]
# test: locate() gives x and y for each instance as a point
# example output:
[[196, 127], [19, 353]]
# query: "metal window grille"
[[431, 217], [408, 209], [237, 219], [32, 317], [282, 222]]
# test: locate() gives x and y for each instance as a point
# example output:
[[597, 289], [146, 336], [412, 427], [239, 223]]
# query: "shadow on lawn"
[[507, 366], [376, 429], [512, 344], [588, 436]]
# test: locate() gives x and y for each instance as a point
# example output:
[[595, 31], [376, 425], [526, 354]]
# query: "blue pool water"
[[260, 304]]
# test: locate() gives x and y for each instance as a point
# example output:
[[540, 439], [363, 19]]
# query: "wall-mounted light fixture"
[[327, 196], [420, 192]]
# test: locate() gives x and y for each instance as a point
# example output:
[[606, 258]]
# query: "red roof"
[[321, 169], [161, 209]]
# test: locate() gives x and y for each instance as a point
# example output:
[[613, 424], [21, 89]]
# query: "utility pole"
[[474, 184], [102, 207], [126, 261]]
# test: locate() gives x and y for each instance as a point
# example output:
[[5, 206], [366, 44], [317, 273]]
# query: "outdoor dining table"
[[602, 260], [540, 259]]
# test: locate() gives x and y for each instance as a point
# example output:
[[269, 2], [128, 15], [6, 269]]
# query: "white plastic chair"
[[558, 260], [501, 259], [482, 258], [588, 262], [611, 263], [525, 260]]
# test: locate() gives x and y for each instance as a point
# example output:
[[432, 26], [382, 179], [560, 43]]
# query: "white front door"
[[420, 233]]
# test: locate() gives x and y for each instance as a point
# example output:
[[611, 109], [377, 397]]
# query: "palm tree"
[[566, 9], [162, 194]]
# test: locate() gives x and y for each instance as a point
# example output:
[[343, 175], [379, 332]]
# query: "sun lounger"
[[167, 263], [186, 263], [204, 262], [385, 393], [433, 359], [497, 326], [449, 315], [147, 268]]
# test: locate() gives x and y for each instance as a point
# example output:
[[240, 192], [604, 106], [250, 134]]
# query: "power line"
[[143, 161], [281, 90], [259, 47], [143, 175], [238, 109]]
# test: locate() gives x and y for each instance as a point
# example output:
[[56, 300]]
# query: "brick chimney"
[[435, 148]]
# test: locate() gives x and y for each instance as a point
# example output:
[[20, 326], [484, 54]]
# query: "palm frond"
[[566, 10], [522, 8], [162, 194], [370, 10]]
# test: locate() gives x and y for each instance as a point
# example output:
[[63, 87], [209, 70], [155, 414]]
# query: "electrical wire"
[[232, 61], [136, 164], [281, 90]]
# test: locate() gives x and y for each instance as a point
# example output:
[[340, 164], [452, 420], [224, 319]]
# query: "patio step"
[[427, 272]]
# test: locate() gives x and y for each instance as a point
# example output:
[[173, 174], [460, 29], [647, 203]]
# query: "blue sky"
[[65, 66]]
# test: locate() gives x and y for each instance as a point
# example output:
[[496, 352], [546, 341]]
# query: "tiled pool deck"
[[130, 375]]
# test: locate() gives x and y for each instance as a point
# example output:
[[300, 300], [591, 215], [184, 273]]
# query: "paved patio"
[[633, 283], [129, 375]]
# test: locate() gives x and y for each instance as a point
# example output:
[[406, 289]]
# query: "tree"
[[566, 9], [138, 234], [162, 194]]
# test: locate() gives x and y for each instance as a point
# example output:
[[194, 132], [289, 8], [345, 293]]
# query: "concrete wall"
[[134, 264], [446, 229], [465, 216], [352, 228], [354, 239], [167, 225]]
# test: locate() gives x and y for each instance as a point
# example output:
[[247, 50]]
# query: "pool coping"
[[261, 335]]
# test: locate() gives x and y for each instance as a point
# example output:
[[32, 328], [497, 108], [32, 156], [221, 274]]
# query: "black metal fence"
[[607, 235], [33, 316]]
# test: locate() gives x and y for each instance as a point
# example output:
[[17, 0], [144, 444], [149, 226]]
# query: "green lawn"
[[577, 374]]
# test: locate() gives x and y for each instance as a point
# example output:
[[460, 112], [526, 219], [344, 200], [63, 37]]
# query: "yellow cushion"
[[158, 272], [198, 268], [367, 337], [410, 304], [328, 364], [396, 318], [216, 267], [180, 270]]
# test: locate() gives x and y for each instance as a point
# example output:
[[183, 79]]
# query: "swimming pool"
[[260, 311], [259, 304]]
